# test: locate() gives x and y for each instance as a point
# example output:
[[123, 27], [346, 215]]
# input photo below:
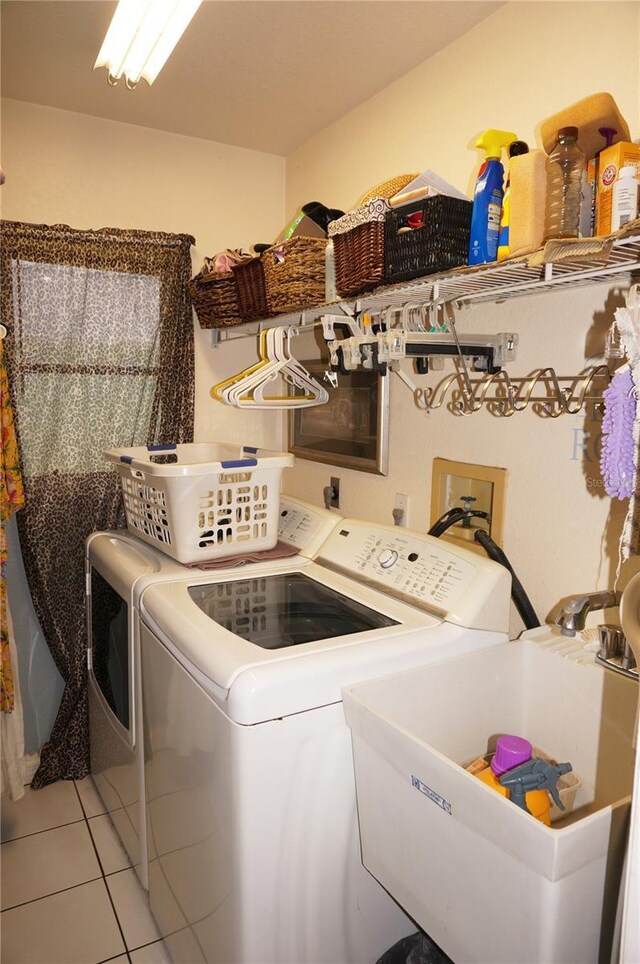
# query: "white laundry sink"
[[482, 877]]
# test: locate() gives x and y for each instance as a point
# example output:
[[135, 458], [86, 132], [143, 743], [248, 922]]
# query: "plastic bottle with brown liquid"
[[564, 175]]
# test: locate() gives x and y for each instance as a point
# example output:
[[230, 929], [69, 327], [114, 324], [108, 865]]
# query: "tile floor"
[[69, 894]]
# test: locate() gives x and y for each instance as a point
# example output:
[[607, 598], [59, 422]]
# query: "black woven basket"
[[440, 242]]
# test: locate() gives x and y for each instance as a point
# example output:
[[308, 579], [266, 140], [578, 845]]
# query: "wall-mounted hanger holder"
[[546, 393]]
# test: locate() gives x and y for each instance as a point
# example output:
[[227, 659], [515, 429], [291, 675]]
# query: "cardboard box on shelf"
[[612, 159]]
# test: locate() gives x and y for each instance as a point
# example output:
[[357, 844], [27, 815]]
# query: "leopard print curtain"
[[100, 354]]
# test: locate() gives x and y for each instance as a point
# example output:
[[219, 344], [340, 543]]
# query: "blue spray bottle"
[[487, 198]]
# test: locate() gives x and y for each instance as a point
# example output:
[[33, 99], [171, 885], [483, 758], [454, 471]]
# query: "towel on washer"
[[280, 551]]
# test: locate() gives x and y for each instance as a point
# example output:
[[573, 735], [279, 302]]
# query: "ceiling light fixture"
[[141, 36]]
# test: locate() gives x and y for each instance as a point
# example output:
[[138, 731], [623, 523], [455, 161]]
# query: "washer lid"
[[288, 609], [356, 622]]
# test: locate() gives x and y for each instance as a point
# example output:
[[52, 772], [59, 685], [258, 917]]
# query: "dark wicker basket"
[[440, 244], [215, 299], [294, 273], [358, 247], [251, 289]]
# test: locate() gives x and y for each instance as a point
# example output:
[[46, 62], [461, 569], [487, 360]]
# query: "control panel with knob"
[[388, 558], [452, 583]]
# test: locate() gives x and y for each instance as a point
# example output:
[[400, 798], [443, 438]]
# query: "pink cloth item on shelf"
[[223, 262]]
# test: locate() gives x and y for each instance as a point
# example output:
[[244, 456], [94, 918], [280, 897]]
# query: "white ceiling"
[[262, 74]]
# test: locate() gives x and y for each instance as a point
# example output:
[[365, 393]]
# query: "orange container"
[[612, 159], [537, 800]]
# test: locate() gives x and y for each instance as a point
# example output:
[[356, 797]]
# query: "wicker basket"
[[441, 243], [215, 299], [358, 247], [294, 273], [251, 289], [388, 188]]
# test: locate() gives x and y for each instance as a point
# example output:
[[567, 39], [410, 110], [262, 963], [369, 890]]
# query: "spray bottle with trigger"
[[535, 774], [487, 198]]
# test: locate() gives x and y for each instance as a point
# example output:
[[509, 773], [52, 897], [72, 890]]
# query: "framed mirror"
[[351, 429]]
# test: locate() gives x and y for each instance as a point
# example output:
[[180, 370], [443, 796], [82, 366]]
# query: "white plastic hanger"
[[284, 366], [255, 386]]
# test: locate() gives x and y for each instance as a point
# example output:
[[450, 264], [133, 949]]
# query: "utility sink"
[[481, 876]]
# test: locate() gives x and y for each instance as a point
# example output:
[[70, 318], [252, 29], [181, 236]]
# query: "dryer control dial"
[[388, 558]]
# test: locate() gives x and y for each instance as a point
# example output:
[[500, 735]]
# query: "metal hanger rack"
[[546, 393]]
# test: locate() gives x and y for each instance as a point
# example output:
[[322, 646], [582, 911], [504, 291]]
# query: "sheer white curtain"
[[15, 769]]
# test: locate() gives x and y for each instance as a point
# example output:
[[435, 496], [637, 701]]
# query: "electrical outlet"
[[401, 510], [335, 496]]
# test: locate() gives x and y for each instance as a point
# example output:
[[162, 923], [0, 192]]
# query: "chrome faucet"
[[573, 617]]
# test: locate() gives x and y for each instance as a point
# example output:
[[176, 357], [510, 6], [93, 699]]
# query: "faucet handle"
[[612, 641], [628, 660]]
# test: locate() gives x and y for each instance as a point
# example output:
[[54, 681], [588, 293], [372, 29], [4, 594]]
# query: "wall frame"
[[351, 429]]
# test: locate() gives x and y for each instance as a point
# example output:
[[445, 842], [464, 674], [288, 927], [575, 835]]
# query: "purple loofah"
[[617, 455]]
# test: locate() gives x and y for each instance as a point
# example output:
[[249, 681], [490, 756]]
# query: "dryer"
[[118, 567], [251, 813]]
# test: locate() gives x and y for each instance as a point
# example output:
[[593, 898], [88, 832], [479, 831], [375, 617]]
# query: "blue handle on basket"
[[239, 464], [169, 447], [249, 448], [126, 458]]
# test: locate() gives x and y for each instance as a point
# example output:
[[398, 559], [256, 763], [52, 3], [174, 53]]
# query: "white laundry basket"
[[198, 501], [484, 879]]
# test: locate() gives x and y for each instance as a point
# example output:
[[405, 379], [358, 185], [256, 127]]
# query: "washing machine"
[[118, 568], [252, 829]]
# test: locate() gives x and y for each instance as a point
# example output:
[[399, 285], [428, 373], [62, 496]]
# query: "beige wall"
[[89, 173], [560, 532], [540, 56], [521, 64]]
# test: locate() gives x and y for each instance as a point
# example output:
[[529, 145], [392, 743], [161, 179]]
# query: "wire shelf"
[[466, 286]]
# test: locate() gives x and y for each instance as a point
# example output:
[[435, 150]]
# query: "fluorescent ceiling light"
[[141, 36]]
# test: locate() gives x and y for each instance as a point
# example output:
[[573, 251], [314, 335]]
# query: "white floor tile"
[[151, 954], [112, 854], [91, 799], [132, 907], [77, 926], [38, 810], [44, 863]]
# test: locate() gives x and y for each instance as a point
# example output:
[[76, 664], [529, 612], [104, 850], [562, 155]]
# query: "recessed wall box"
[[483, 485]]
